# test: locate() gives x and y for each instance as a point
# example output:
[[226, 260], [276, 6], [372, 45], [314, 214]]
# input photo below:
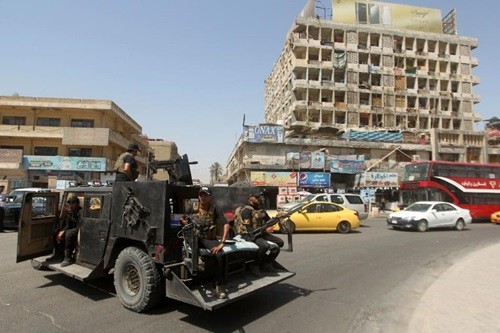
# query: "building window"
[[11, 120], [48, 122], [11, 147], [45, 151], [82, 123], [81, 152]]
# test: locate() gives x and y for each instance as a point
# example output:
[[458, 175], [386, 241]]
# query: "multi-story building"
[[391, 82], [43, 140]]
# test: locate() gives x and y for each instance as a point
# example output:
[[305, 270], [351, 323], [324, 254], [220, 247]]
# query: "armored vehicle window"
[[42, 207], [93, 207]]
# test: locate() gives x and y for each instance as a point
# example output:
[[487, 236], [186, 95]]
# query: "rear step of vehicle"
[[76, 271], [236, 288]]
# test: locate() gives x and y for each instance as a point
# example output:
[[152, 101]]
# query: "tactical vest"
[[207, 219], [120, 165], [258, 220]]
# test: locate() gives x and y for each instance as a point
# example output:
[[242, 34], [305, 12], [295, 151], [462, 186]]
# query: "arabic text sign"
[[64, 163], [478, 183], [379, 179], [347, 166], [314, 179]]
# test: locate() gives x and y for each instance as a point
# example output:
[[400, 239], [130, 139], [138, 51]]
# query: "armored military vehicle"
[[132, 230]]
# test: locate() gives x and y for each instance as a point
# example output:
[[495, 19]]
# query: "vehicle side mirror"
[[433, 210]]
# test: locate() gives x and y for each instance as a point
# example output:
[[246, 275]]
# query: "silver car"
[[424, 215]]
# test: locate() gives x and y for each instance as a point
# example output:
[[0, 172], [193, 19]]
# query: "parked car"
[[423, 215], [322, 216], [348, 200], [495, 217], [13, 202]]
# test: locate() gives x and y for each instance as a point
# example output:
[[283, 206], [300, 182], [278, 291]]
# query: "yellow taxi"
[[322, 216], [495, 217]]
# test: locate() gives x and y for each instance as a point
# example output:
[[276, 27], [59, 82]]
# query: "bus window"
[[416, 172]]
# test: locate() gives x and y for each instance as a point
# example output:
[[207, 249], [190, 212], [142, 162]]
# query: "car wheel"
[[287, 227], [137, 280], [422, 226], [460, 225], [344, 227]]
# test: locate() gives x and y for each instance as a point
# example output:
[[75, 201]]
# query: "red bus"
[[472, 186]]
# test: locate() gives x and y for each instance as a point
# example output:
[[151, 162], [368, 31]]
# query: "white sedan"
[[423, 215]]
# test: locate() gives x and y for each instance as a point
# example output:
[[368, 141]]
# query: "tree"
[[215, 172]]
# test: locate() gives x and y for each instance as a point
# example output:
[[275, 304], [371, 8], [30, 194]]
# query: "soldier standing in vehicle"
[[126, 165], [70, 228], [254, 216], [207, 218]]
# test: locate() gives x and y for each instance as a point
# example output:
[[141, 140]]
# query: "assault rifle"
[[283, 225]]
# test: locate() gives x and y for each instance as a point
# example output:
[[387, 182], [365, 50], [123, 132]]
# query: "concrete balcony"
[[300, 63], [30, 131]]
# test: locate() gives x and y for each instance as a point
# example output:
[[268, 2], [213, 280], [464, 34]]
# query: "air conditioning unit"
[[416, 157]]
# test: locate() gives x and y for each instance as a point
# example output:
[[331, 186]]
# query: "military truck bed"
[[201, 295], [75, 271]]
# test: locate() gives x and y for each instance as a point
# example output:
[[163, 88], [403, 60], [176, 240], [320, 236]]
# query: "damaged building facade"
[[380, 83]]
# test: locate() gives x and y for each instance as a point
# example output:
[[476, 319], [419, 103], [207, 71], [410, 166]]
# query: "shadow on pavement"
[[97, 290]]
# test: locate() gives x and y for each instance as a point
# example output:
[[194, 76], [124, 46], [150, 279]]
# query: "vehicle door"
[[331, 215], [38, 220], [452, 214], [441, 216], [94, 227], [307, 218]]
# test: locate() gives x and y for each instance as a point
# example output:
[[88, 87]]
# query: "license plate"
[[394, 221]]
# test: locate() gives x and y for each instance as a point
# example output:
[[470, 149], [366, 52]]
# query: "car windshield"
[[307, 198], [18, 195], [418, 207]]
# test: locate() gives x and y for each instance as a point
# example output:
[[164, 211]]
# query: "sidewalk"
[[466, 298]]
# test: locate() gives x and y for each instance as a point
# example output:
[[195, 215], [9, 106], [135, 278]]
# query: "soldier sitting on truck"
[[66, 237], [206, 217], [253, 216]]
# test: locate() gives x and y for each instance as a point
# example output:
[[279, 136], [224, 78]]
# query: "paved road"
[[371, 280]]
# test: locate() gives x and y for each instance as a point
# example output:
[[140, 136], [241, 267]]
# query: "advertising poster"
[[314, 179], [266, 178]]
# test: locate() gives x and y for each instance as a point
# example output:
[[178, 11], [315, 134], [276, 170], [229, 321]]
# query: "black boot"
[[57, 255], [68, 258]]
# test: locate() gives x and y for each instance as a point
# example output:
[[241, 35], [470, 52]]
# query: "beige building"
[[371, 84], [43, 140], [163, 151]]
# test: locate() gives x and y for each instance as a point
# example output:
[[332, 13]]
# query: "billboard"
[[64, 163], [307, 159], [377, 179], [314, 179], [350, 164], [388, 15], [266, 178], [264, 133]]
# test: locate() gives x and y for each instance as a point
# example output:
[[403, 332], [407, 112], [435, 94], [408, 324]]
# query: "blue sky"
[[185, 70]]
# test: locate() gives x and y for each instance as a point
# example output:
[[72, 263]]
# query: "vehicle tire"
[[422, 226], [38, 266], [460, 225], [287, 227], [344, 227], [137, 280]]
